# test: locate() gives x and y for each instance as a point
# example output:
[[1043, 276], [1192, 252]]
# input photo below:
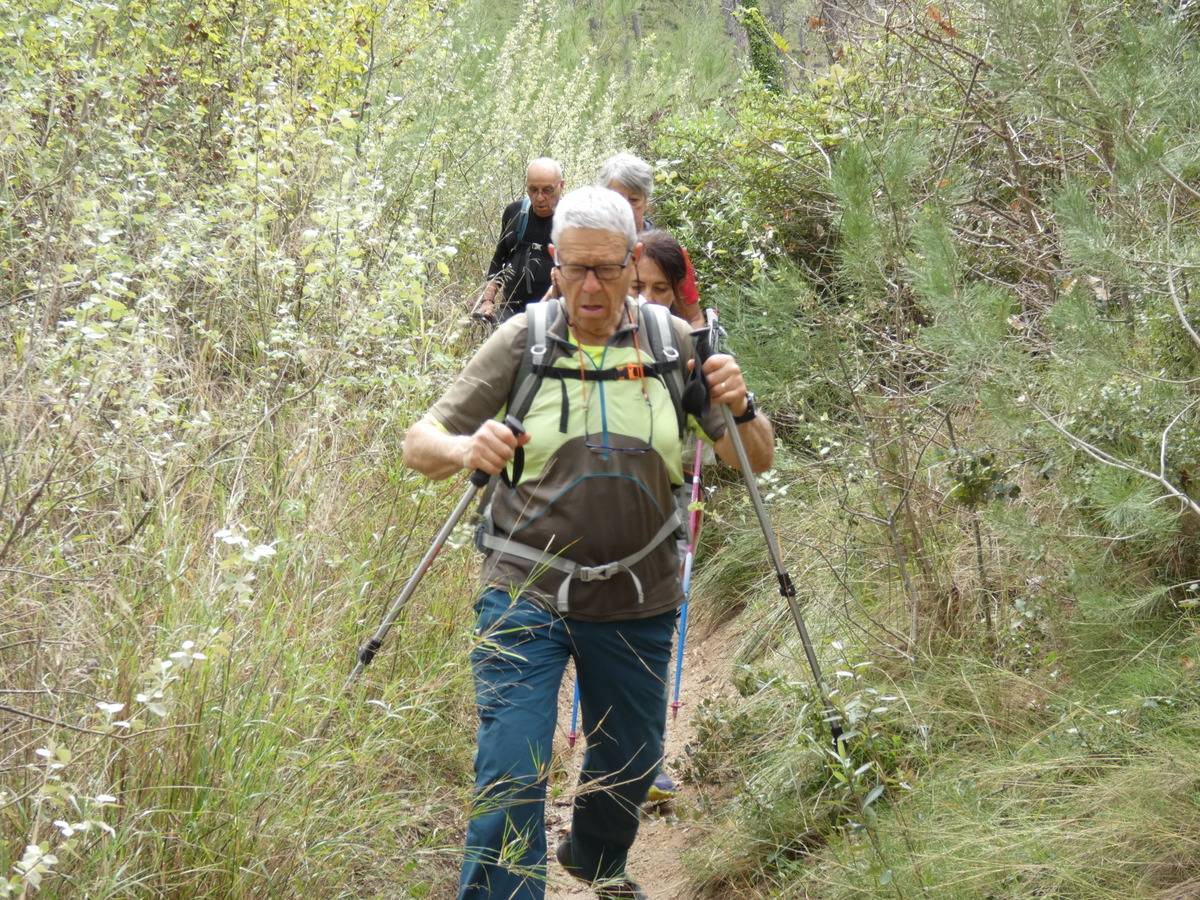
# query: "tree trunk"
[[776, 14], [594, 19], [831, 16], [733, 27]]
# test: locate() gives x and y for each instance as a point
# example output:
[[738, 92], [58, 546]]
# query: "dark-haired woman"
[[665, 276]]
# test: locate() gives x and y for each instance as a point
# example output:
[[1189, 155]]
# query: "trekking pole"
[[706, 346], [688, 559], [573, 734], [479, 479]]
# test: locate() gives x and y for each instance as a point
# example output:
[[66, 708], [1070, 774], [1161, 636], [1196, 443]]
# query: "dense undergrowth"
[[238, 244], [957, 261], [960, 262]]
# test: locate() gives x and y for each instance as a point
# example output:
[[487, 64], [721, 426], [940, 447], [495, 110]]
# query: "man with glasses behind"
[[520, 268], [582, 561]]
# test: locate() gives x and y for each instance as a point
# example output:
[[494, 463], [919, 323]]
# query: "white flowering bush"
[[236, 250]]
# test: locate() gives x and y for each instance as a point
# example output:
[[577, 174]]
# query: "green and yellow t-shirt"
[[601, 466]]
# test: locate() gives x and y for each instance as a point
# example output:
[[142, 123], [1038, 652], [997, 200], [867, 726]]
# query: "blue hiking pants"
[[518, 664]]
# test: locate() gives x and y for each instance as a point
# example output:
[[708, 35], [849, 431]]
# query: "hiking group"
[[600, 387], [520, 270]]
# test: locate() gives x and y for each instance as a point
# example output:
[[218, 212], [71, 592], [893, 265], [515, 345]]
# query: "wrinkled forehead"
[[631, 194], [541, 176], [587, 245]]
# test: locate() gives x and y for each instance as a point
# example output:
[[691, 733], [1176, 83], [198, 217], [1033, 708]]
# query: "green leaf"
[[874, 794]]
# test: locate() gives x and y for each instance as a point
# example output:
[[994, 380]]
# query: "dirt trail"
[[656, 861]]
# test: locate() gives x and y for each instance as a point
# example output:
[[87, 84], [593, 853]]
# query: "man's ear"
[[637, 252], [552, 251]]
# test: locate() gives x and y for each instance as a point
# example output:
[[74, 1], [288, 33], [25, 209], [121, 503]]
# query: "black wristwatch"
[[750, 414]]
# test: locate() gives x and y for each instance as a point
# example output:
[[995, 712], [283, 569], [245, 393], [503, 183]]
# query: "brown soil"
[[1188, 890], [656, 861]]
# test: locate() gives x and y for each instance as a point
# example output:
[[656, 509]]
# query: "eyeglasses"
[[603, 271]]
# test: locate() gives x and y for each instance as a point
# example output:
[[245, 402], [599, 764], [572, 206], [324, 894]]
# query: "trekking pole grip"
[[480, 478], [707, 339]]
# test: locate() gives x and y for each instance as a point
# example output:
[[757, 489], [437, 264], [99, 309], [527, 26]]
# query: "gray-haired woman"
[[632, 178]]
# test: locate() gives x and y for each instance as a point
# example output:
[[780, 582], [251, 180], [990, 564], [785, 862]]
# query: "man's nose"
[[591, 283]]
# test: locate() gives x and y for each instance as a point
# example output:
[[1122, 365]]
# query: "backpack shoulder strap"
[[539, 319], [523, 219], [665, 348]]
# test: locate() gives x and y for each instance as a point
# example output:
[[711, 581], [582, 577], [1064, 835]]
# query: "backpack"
[[519, 262], [523, 219], [535, 366], [542, 316]]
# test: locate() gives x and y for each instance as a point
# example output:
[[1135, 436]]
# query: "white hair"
[[631, 171], [545, 162], [597, 208]]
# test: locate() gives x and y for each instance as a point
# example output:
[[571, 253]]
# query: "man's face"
[[544, 188], [594, 304]]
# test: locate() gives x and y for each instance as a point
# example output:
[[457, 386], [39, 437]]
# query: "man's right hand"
[[491, 447]]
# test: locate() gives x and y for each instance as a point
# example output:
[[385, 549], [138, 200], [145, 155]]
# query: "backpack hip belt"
[[604, 572]]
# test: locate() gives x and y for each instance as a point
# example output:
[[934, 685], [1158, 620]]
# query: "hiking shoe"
[[610, 889], [662, 790]]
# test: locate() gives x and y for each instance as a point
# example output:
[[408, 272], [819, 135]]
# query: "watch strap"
[[750, 413]]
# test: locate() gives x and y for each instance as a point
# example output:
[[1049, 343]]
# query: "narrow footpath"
[[656, 861]]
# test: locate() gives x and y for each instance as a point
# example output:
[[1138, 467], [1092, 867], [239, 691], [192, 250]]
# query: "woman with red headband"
[[665, 276]]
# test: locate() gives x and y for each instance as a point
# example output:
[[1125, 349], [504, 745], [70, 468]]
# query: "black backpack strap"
[[630, 372]]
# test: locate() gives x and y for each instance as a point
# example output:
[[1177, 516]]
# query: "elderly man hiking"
[[580, 537], [520, 268]]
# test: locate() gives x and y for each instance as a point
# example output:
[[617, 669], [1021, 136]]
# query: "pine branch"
[[1179, 307], [1108, 459], [1178, 304]]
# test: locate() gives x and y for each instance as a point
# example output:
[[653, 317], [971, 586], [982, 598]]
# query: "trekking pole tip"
[[571, 738]]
